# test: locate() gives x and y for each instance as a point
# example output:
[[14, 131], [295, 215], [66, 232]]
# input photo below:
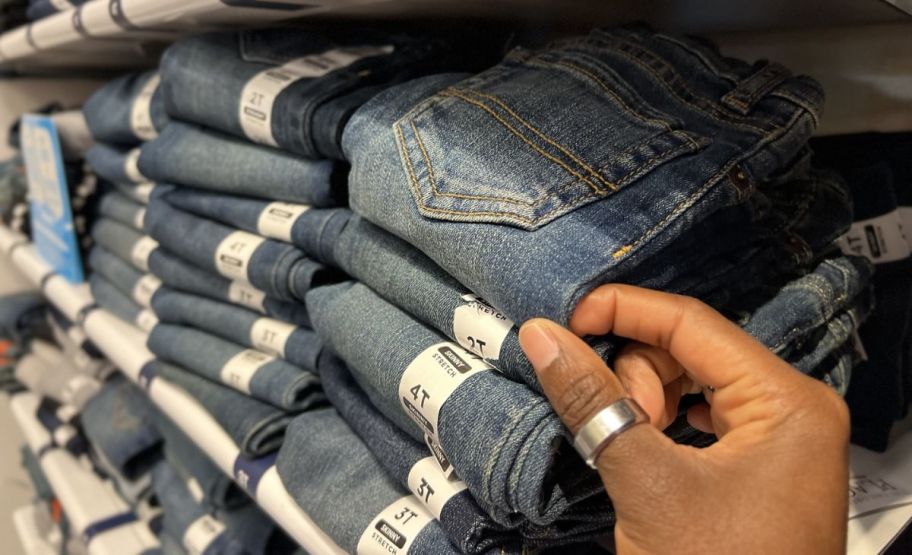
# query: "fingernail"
[[539, 345]]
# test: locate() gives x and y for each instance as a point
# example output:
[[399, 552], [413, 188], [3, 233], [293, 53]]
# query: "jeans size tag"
[[393, 531], [433, 487]]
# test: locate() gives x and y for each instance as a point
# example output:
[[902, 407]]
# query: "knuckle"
[[582, 397]]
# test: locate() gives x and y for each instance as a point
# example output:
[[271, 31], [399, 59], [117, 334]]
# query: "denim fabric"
[[189, 155], [181, 511], [238, 325], [122, 275], [203, 77], [279, 269], [21, 314], [256, 531], [39, 9], [119, 422], [662, 133], [256, 427], [110, 163], [352, 487], [314, 230], [502, 439], [276, 382], [182, 276], [139, 192], [110, 298], [117, 238], [134, 490], [218, 489], [122, 209], [108, 110], [464, 522]]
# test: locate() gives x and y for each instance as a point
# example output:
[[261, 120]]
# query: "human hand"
[[777, 479]]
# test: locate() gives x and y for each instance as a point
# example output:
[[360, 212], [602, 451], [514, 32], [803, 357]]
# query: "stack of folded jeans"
[[478, 205], [878, 169]]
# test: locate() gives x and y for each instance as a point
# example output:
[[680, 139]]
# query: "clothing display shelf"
[[125, 346], [88, 501]]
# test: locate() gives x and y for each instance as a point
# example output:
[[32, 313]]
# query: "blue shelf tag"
[[51, 216]]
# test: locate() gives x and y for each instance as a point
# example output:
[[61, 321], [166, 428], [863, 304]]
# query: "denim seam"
[[487, 474], [699, 103], [697, 52], [812, 110]]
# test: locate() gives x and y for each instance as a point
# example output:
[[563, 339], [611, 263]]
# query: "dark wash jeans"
[[485, 179]]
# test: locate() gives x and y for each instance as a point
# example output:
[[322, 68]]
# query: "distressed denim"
[[119, 422], [352, 487], [218, 489], [313, 230], [511, 451], [122, 209], [189, 155], [256, 427], [112, 162], [272, 380], [662, 133], [204, 77], [299, 346], [109, 112], [181, 511], [183, 276], [279, 269], [466, 524]]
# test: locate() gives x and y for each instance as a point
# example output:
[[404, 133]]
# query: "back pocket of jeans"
[[529, 141]]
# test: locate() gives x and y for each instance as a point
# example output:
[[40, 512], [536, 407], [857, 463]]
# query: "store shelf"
[[125, 346], [87, 500]]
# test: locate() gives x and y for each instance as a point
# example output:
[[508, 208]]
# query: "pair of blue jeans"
[[189, 155], [114, 163], [127, 110], [254, 373], [122, 275], [482, 175], [279, 269], [256, 427], [119, 421], [298, 345], [328, 72]]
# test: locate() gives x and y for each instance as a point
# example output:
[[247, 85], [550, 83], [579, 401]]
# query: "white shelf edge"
[[125, 346]]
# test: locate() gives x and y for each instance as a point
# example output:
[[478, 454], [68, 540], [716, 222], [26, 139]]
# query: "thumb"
[[579, 385]]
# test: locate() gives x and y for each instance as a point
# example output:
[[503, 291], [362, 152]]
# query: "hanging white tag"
[[271, 336], [131, 167], [261, 91], [879, 239], [201, 533], [141, 251], [431, 378], [145, 289], [240, 369], [233, 254], [431, 486], [277, 219], [393, 531], [480, 328], [244, 294], [141, 111]]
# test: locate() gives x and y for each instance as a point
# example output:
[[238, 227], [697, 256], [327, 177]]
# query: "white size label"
[[277, 219], [143, 191], [146, 320], [141, 251], [61, 5], [430, 379], [261, 91], [201, 533], [233, 254], [480, 328], [145, 288], [141, 111], [393, 531], [244, 294], [879, 239], [271, 336], [195, 489], [131, 167], [431, 486], [905, 214], [240, 369], [139, 219], [870, 493]]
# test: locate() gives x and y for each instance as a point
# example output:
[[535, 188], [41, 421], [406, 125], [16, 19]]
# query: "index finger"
[[715, 351]]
